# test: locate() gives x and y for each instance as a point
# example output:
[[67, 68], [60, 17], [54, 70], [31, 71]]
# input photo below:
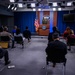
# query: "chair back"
[[4, 41], [4, 38], [18, 39], [71, 41]]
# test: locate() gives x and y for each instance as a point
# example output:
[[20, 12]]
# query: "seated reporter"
[[71, 39], [5, 33], [71, 35], [18, 33], [27, 34], [18, 37], [66, 32], [56, 50], [4, 53]]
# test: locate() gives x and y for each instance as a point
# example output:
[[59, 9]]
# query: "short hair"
[[68, 28], [26, 27], [17, 31], [55, 35], [5, 29], [54, 29], [15, 27]]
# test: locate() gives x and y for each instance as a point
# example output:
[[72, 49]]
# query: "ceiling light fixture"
[[54, 9], [39, 9], [20, 5], [55, 4], [63, 2], [59, 9], [15, 8], [28, 5], [12, 8], [32, 4], [74, 3], [34, 9], [37, 4], [69, 3], [12, 1], [8, 6]]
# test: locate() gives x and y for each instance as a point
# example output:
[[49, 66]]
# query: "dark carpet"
[[32, 59]]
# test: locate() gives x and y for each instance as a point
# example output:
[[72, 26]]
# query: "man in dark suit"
[[4, 53], [56, 50]]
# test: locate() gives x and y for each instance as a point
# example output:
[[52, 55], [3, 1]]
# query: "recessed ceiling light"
[[39, 9], [34, 9], [59, 9], [54, 9], [55, 4], [69, 3], [12, 1], [20, 5], [32, 4]]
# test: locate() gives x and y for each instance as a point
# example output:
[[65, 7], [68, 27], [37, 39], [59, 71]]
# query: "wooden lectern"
[[43, 30]]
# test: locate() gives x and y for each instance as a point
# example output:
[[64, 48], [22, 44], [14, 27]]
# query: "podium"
[[43, 30]]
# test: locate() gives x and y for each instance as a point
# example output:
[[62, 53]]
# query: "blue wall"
[[61, 24], [23, 19]]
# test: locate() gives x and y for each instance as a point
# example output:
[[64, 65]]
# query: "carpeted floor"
[[32, 59]]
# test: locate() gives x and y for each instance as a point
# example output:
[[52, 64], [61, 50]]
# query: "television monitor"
[[69, 17]]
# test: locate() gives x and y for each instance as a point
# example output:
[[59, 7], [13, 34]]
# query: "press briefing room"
[[37, 37]]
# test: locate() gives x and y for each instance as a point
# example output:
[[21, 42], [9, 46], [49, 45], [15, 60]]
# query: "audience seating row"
[[5, 40]]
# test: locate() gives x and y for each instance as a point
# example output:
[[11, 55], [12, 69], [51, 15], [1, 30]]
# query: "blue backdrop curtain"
[[23, 19], [61, 24]]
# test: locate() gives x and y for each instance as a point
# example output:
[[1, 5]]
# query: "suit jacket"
[[56, 51], [4, 33], [27, 34]]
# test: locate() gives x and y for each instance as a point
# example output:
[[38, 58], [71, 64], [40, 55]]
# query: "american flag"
[[36, 23]]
